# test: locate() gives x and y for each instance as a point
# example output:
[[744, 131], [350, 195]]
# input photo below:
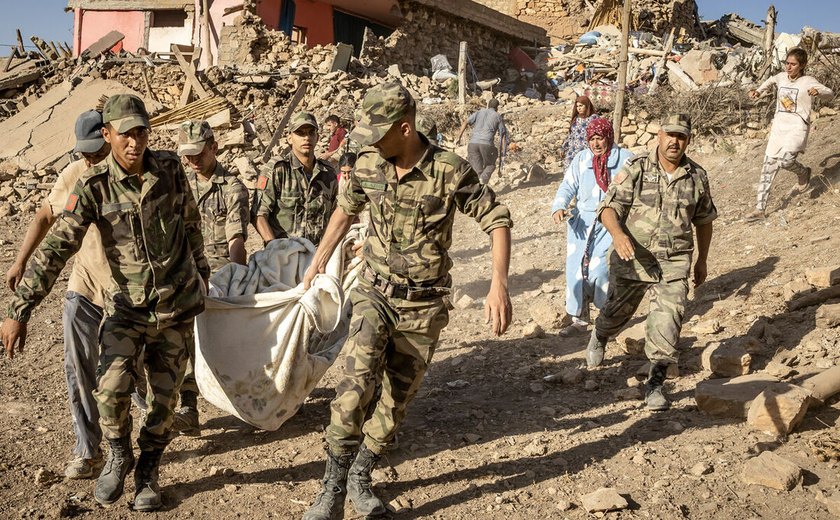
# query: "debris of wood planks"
[[278, 132], [200, 109], [189, 69], [103, 44]]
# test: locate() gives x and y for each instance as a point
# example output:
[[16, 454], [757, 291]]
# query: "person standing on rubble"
[[789, 132], [223, 203], [140, 202], [337, 134], [481, 150], [83, 301], [414, 189], [296, 194], [649, 210], [586, 181], [582, 113]]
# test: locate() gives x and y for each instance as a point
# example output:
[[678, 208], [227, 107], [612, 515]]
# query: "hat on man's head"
[[89, 132], [124, 112], [302, 119], [382, 106], [192, 136], [677, 123]]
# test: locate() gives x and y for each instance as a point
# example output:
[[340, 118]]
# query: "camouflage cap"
[[426, 126], [382, 106], [302, 119], [124, 112], [677, 123], [192, 135]]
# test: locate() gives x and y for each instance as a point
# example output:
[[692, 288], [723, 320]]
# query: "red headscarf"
[[602, 127], [589, 109]]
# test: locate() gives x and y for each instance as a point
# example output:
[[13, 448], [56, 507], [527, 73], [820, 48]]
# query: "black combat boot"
[[186, 418], [358, 484], [146, 489], [595, 350], [329, 504], [655, 398], [109, 485]]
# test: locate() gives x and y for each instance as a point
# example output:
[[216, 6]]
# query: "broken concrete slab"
[[823, 277], [779, 409], [771, 470], [38, 135], [603, 500], [103, 44], [726, 360], [730, 397]]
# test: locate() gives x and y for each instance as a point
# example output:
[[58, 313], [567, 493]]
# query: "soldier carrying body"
[[649, 209], [414, 190], [223, 203], [140, 202]]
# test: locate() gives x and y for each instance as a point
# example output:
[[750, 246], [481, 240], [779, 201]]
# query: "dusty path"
[[487, 437]]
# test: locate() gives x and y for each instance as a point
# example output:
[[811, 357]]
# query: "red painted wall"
[[96, 24], [317, 18]]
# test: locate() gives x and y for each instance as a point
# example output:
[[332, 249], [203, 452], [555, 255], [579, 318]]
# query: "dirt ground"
[[487, 437]]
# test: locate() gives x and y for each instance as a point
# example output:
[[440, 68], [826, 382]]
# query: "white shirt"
[[789, 132]]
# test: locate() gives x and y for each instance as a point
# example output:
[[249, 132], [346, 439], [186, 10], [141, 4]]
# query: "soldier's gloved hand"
[[14, 275], [624, 247], [13, 332]]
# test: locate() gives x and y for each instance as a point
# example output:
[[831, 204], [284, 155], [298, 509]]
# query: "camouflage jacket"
[[223, 204], [411, 218], [658, 216], [151, 232], [293, 205]]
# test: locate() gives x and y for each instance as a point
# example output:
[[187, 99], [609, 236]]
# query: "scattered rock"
[[730, 397], [217, 471], [45, 477], [771, 470], [707, 327], [726, 360], [828, 316], [778, 409], [823, 276], [399, 505], [472, 437], [777, 369], [796, 289], [629, 394], [564, 505], [831, 502], [632, 340], [603, 500], [545, 314], [591, 385], [464, 302], [537, 388], [701, 468], [533, 331], [571, 376]]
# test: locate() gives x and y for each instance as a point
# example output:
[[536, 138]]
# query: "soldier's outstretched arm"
[[498, 311], [621, 242], [338, 226]]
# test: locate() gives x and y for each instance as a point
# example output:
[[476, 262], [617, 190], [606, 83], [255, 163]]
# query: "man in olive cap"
[[296, 194], [223, 203], [141, 204], [649, 209], [83, 301], [413, 189]]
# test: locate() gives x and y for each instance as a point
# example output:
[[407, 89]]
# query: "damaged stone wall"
[[427, 32], [565, 20]]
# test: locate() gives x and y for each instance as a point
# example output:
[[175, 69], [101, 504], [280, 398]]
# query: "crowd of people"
[[148, 228]]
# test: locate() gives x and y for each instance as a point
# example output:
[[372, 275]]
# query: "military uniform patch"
[[619, 177], [72, 201], [262, 182]]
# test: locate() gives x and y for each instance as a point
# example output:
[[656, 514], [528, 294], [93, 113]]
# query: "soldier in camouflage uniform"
[[296, 194], [223, 203], [141, 204], [413, 190], [649, 209]]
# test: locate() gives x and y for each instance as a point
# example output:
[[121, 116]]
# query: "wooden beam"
[[11, 57], [189, 70], [618, 113], [462, 74], [205, 33], [278, 132], [21, 48]]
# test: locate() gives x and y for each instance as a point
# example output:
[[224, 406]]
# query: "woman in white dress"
[[789, 133]]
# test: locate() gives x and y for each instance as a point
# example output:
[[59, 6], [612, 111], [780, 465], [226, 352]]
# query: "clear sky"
[[47, 19]]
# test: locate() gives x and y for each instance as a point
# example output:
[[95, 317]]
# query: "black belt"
[[399, 290]]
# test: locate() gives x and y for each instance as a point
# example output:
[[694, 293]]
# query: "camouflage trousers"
[[770, 168], [391, 341], [189, 384], [165, 355], [664, 319]]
